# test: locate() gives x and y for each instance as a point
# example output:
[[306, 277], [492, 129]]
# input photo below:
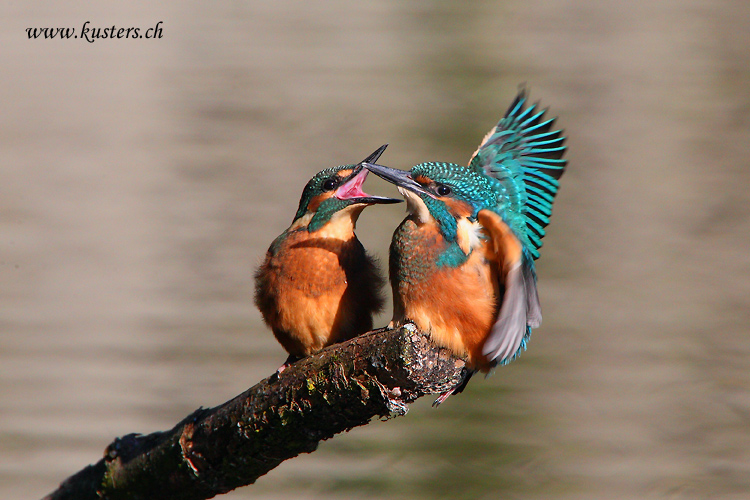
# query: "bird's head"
[[441, 192], [336, 192]]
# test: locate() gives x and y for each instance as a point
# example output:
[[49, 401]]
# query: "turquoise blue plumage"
[[523, 157], [462, 262]]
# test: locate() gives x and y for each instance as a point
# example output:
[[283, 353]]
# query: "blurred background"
[[143, 180]]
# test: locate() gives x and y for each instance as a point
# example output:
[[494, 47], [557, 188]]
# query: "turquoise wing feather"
[[524, 156]]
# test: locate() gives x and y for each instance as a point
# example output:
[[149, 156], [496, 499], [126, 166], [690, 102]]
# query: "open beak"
[[351, 189], [375, 155], [400, 178]]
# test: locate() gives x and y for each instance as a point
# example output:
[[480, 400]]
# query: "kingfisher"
[[317, 285], [461, 263]]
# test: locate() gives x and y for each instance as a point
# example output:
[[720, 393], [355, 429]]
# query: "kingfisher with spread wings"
[[462, 262]]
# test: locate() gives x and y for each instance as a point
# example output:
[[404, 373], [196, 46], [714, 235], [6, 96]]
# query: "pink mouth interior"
[[352, 188]]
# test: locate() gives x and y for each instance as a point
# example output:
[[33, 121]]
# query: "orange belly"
[[456, 305], [314, 292]]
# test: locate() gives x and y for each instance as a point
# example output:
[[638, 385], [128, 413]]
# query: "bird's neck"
[[416, 244], [468, 239], [340, 226], [416, 207], [430, 212]]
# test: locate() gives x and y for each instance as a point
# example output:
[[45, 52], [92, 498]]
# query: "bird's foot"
[[290, 360], [457, 389], [441, 399]]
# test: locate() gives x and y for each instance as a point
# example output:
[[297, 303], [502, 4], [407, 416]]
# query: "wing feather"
[[520, 309], [524, 156]]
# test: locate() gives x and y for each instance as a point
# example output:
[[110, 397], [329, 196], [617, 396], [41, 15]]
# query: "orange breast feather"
[[457, 306], [314, 292]]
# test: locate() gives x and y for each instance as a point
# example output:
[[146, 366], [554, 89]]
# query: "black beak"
[[351, 189], [400, 178], [375, 155]]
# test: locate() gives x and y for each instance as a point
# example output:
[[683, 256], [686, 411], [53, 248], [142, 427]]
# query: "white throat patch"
[[415, 205]]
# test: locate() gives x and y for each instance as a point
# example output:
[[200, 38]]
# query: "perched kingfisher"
[[462, 262], [317, 285]]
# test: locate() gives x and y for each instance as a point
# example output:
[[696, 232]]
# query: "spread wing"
[[523, 154], [520, 310]]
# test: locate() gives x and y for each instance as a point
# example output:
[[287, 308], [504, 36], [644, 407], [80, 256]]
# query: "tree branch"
[[213, 451]]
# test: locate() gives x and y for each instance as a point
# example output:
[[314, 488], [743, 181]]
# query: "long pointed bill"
[[400, 178], [352, 189], [375, 155]]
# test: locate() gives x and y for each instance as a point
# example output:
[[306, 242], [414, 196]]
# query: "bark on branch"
[[213, 451]]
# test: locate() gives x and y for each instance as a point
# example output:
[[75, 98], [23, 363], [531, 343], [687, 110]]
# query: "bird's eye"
[[330, 184], [443, 190]]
